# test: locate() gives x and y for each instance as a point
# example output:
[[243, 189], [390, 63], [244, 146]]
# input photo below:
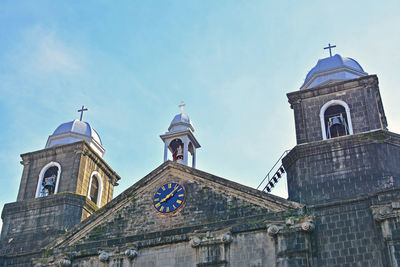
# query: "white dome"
[[333, 69], [181, 122], [75, 131]]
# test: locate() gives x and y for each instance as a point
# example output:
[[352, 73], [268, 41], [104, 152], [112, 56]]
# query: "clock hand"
[[169, 195]]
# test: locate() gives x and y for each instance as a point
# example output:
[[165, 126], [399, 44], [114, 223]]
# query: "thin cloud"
[[41, 52]]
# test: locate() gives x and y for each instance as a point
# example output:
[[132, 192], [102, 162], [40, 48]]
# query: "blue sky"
[[132, 62]]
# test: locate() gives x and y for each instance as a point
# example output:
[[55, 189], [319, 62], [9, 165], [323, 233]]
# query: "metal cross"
[[330, 48], [181, 106], [81, 111]]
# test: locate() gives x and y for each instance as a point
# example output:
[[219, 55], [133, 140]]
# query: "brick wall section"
[[34, 162], [343, 168], [203, 204], [89, 163], [77, 160], [347, 235], [213, 206], [32, 224], [361, 95]]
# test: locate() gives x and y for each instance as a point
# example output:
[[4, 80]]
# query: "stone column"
[[194, 158], [185, 152], [166, 151]]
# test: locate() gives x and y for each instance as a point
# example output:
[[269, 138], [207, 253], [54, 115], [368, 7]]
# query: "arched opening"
[[95, 188], [335, 119], [176, 147], [48, 180]]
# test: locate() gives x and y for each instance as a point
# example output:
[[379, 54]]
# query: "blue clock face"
[[169, 198]]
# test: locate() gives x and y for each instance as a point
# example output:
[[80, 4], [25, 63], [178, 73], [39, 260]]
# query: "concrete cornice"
[[370, 81], [48, 201], [179, 134], [81, 147], [340, 143]]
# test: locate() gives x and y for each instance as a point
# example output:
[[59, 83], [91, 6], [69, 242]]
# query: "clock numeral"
[[167, 209], [174, 207], [169, 186], [158, 193], [181, 195], [156, 199], [179, 201], [163, 188], [180, 189], [157, 205]]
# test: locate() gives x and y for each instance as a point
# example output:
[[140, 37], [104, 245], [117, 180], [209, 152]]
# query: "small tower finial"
[[330, 48], [81, 111], [181, 106]]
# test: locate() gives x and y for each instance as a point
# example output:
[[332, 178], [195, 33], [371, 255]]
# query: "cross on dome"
[[330, 48], [83, 109], [181, 106]]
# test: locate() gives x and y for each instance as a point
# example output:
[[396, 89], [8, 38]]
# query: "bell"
[[336, 120], [49, 183]]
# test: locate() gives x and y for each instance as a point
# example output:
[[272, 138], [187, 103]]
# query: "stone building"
[[343, 182]]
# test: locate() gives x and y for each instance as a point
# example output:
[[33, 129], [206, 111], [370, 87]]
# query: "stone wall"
[[346, 234], [30, 225], [361, 95], [78, 161], [248, 242], [343, 168], [218, 225], [67, 156]]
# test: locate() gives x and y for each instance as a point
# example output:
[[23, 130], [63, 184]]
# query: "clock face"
[[169, 198]]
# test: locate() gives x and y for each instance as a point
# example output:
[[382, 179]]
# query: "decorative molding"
[[64, 262], [291, 224], [104, 256], [210, 239], [386, 211], [131, 253]]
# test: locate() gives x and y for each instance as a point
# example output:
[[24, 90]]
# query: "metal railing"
[[272, 180]]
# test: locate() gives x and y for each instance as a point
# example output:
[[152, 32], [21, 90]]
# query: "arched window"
[[49, 179], [95, 188], [335, 119]]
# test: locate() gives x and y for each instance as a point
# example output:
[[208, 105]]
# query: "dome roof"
[[331, 69], [181, 122], [75, 131], [79, 127]]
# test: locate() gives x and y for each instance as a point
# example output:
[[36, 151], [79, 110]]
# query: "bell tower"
[[180, 140], [342, 135], [61, 185]]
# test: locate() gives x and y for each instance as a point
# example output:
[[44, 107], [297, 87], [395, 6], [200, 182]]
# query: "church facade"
[[343, 182]]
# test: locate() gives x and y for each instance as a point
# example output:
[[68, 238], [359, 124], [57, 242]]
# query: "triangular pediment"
[[208, 200]]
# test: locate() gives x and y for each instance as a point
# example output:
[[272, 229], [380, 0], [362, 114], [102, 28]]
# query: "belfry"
[[61, 185], [180, 140]]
